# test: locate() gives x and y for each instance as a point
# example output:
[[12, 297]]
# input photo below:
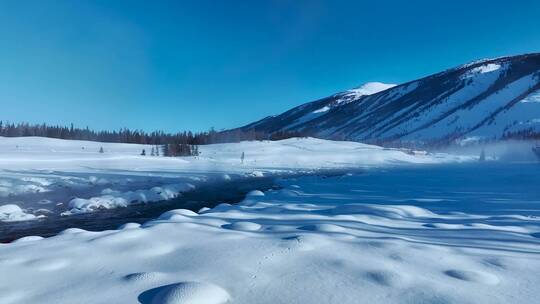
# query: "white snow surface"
[[12, 213], [371, 88], [486, 68], [368, 88], [313, 241], [377, 235], [524, 115], [322, 110]]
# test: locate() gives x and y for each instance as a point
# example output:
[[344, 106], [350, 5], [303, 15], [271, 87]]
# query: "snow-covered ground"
[[465, 233], [406, 228], [40, 176]]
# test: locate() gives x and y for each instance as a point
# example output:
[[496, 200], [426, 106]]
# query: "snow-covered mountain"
[[484, 99]]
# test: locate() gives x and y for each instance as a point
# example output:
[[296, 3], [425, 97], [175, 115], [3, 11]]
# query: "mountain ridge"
[[488, 99]]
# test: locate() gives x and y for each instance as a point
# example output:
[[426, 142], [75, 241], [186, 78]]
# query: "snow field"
[[314, 241]]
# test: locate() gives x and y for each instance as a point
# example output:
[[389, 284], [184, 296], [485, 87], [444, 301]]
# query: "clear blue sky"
[[176, 65]]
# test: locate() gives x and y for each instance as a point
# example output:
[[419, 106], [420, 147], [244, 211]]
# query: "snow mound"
[[243, 226], [177, 214], [383, 278], [472, 276], [13, 213], [143, 277], [48, 264], [255, 193], [72, 231], [30, 238], [10, 208], [322, 228], [81, 205], [129, 226], [184, 293], [256, 174], [390, 211], [203, 210], [115, 199]]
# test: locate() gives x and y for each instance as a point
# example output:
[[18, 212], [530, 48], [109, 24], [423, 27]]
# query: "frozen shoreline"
[[207, 195]]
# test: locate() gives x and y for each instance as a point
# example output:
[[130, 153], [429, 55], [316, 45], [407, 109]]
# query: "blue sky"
[[176, 65]]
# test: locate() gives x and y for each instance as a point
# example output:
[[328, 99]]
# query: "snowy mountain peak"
[[370, 88]]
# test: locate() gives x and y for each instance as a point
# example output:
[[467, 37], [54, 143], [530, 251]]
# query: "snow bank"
[[114, 199], [13, 213]]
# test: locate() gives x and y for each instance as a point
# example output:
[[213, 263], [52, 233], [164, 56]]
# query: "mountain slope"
[[485, 99]]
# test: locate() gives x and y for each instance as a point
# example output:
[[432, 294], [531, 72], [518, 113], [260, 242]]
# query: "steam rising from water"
[[508, 151]]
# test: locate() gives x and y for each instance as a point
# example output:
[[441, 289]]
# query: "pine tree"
[[165, 150], [152, 153], [195, 150], [157, 138], [101, 150]]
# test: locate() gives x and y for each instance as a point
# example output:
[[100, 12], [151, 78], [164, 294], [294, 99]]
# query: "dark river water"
[[489, 188], [205, 195]]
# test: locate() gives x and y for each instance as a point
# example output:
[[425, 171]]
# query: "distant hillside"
[[486, 99]]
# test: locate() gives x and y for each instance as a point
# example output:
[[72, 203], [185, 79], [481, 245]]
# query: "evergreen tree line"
[[177, 142], [179, 149], [526, 134]]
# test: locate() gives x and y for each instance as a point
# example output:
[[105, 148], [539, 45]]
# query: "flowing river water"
[[472, 188]]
